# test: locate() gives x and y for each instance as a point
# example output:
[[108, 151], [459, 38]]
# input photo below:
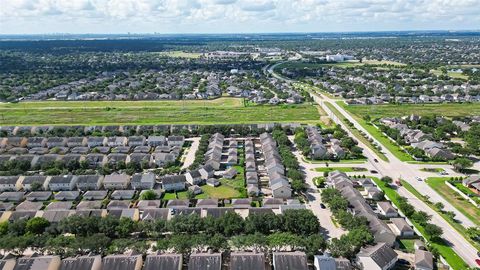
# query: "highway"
[[409, 172]]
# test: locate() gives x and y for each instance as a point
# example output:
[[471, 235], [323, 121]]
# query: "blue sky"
[[234, 16]]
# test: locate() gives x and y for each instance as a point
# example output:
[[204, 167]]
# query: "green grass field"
[[446, 251], [181, 54], [462, 205], [341, 169], [447, 109], [224, 110], [457, 226]]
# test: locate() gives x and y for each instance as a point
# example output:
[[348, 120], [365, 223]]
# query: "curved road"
[[408, 172]]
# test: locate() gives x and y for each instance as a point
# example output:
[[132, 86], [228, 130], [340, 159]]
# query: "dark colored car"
[[322, 206], [373, 171], [477, 261], [376, 160]]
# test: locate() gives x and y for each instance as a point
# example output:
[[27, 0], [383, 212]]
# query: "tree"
[[314, 244], [230, 223], [37, 225], [4, 228], [262, 223], [387, 180], [421, 217], [433, 231], [300, 222], [461, 163], [439, 206], [148, 195], [36, 186], [280, 240]]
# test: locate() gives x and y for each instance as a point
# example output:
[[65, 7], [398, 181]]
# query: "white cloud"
[[238, 15]]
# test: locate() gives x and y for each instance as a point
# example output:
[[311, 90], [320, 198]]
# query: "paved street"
[[401, 170], [190, 156], [314, 198]]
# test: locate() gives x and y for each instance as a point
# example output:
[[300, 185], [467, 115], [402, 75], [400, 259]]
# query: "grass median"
[[452, 258], [457, 226], [394, 148]]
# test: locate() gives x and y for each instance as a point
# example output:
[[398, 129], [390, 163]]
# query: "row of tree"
[[81, 235]]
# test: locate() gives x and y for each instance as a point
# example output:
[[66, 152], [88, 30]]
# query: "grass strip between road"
[[457, 226], [469, 210], [452, 258], [394, 148], [356, 132]]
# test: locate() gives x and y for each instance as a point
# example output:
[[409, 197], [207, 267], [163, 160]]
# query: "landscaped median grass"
[[396, 150], [356, 132], [445, 250], [341, 169], [457, 226], [455, 199], [225, 110]]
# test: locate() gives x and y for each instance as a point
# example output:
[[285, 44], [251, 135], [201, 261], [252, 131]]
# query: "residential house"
[[116, 181], [378, 257], [472, 182], [38, 263], [35, 182], [387, 210], [122, 262], [206, 172], [163, 261], [116, 141], [173, 182], [76, 142], [423, 260], [143, 181], [62, 182], [230, 173], [290, 260], [10, 183], [96, 141], [175, 141], [162, 159], [135, 141], [247, 261], [202, 261], [194, 177], [156, 141], [89, 262], [89, 182], [401, 227]]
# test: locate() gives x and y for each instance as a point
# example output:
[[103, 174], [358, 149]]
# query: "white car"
[[418, 178]]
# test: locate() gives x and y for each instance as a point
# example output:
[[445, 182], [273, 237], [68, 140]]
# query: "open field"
[[455, 75], [377, 134], [462, 205], [444, 109], [356, 132], [445, 250], [382, 62], [217, 111], [181, 54]]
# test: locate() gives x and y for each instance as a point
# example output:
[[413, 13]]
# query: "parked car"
[[418, 178], [322, 206], [376, 160], [477, 261], [373, 171]]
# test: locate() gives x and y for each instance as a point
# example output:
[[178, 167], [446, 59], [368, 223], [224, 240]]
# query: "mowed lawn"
[[224, 110], [462, 205]]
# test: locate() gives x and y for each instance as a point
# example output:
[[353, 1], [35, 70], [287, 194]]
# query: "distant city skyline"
[[234, 16]]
